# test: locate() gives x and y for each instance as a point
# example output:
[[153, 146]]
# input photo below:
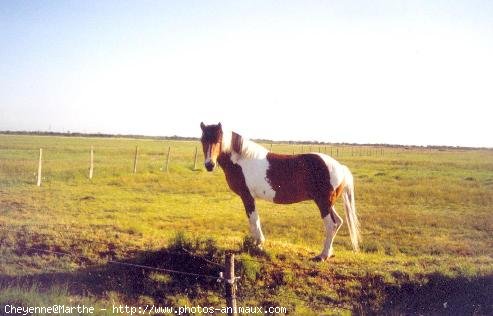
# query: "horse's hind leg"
[[336, 223], [254, 219], [332, 222]]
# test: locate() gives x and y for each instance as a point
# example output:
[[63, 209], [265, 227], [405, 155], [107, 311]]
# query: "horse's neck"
[[224, 160], [233, 173]]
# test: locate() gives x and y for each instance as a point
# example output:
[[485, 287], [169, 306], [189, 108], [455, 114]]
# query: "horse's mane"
[[241, 147]]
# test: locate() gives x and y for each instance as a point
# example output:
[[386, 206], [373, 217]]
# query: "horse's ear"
[[202, 125], [219, 125]]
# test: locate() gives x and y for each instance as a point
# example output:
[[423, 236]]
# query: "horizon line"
[[189, 138]]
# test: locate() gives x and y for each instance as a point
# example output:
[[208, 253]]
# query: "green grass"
[[426, 222]]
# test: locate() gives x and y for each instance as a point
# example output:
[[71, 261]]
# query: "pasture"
[[426, 219]]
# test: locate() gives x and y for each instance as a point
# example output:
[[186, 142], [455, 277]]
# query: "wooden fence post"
[[135, 158], [270, 147], [167, 159], [230, 284], [195, 159], [39, 166], [91, 163]]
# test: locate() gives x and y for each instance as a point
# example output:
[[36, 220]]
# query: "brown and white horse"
[[253, 172]]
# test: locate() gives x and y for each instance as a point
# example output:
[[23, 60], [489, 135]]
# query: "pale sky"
[[402, 72]]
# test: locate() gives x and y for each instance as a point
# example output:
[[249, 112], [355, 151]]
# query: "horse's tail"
[[350, 208]]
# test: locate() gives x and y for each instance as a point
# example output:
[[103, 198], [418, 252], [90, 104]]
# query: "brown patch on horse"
[[335, 194], [236, 142], [298, 178], [236, 181], [302, 177]]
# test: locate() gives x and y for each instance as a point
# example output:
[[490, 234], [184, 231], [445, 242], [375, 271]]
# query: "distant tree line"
[[260, 140]]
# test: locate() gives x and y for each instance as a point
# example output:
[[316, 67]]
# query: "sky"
[[399, 72]]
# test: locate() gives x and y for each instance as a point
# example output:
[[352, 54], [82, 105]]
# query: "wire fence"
[[49, 163], [315, 302]]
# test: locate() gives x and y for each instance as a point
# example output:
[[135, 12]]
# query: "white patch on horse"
[[336, 170], [252, 159], [208, 154], [226, 141], [255, 227], [331, 229], [255, 173]]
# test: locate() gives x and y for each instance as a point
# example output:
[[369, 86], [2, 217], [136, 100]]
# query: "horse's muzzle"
[[209, 165]]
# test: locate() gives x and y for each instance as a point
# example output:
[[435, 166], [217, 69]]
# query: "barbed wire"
[[218, 278], [105, 243], [135, 265], [183, 251]]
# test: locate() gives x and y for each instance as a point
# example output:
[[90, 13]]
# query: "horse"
[[253, 172]]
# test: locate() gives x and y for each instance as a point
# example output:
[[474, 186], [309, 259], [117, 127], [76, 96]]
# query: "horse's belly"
[[288, 194]]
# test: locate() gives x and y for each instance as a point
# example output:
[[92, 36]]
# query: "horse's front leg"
[[253, 219]]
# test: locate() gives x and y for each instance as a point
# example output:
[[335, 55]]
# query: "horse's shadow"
[[130, 280]]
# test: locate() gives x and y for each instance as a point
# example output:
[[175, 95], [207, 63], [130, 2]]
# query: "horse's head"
[[212, 136]]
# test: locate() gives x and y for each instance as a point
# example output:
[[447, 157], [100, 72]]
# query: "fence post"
[[39, 166], [270, 147], [135, 158], [195, 159], [230, 284], [91, 164], [167, 159]]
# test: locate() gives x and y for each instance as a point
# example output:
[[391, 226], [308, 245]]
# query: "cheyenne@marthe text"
[[53, 309]]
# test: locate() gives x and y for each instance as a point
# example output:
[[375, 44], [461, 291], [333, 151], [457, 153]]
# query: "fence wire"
[[105, 243], [134, 265], [313, 303]]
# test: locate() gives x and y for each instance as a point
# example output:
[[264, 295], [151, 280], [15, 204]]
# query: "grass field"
[[426, 218]]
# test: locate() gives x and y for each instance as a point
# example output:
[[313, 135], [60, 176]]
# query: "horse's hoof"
[[318, 258]]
